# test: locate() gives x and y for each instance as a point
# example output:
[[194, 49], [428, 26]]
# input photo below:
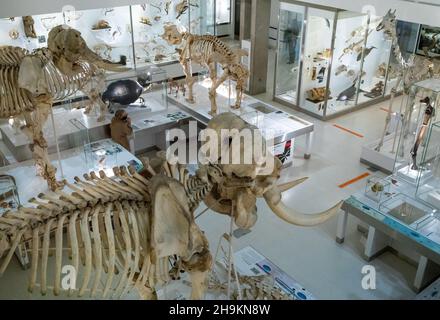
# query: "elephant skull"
[[237, 185], [69, 49]]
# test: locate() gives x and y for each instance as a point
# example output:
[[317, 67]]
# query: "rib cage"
[[206, 45], [61, 86], [107, 225], [196, 190], [13, 100]]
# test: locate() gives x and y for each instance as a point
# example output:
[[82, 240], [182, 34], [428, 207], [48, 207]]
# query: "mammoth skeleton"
[[31, 82], [137, 230]]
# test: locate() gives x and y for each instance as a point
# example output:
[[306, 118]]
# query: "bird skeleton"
[[122, 232]]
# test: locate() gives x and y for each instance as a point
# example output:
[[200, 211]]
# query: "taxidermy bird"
[[349, 93], [366, 53]]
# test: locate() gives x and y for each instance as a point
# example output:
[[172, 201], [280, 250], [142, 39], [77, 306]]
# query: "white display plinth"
[[383, 160], [412, 176], [271, 121]]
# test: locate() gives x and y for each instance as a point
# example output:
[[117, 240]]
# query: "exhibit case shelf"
[[134, 32], [330, 61]]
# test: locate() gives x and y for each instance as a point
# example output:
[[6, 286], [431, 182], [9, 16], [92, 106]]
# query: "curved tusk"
[[94, 58], [109, 66], [289, 185], [273, 198]]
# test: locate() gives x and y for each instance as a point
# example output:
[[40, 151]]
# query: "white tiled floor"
[[310, 255]]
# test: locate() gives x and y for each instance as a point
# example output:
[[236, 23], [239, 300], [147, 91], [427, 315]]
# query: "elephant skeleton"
[[31, 82], [138, 230], [208, 51]]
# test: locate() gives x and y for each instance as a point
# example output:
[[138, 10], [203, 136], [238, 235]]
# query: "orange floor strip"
[[384, 109], [346, 184], [348, 130]]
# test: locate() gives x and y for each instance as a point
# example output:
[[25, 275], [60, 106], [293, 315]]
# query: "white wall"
[[16, 8]]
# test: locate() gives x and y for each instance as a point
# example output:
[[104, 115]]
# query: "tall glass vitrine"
[[290, 37], [330, 61]]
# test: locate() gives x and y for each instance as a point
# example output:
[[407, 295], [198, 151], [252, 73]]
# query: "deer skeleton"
[[207, 51], [31, 82], [123, 231]]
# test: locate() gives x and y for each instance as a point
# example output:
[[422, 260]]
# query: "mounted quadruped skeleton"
[[413, 70], [207, 51], [136, 231], [31, 82]]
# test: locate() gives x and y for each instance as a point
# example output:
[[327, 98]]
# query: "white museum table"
[[413, 232], [283, 126], [74, 163], [74, 128]]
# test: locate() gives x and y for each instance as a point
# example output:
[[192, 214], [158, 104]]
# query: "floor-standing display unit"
[[330, 61], [402, 209], [418, 144]]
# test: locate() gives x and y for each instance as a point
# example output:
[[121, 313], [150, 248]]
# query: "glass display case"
[[290, 34], [149, 20], [317, 59], [330, 61], [345, 78], [429, 190], [134, 32], [107, 31], [376, 187], [418, 143], [375, 59], [223, 12]]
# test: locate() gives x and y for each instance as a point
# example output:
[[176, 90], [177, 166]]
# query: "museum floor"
[[310, 255]]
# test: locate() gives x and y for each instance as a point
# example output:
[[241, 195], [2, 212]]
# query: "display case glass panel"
[[376, 187], [202, 17], [107, 31], [429, 190], [407, 210], [12, 32], [415, 156], [290, 34], [149, 20], [375, 58], [316, 62], [349, 44], [222, 12]]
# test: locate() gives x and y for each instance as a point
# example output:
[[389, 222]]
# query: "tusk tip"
[[289, 185]]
